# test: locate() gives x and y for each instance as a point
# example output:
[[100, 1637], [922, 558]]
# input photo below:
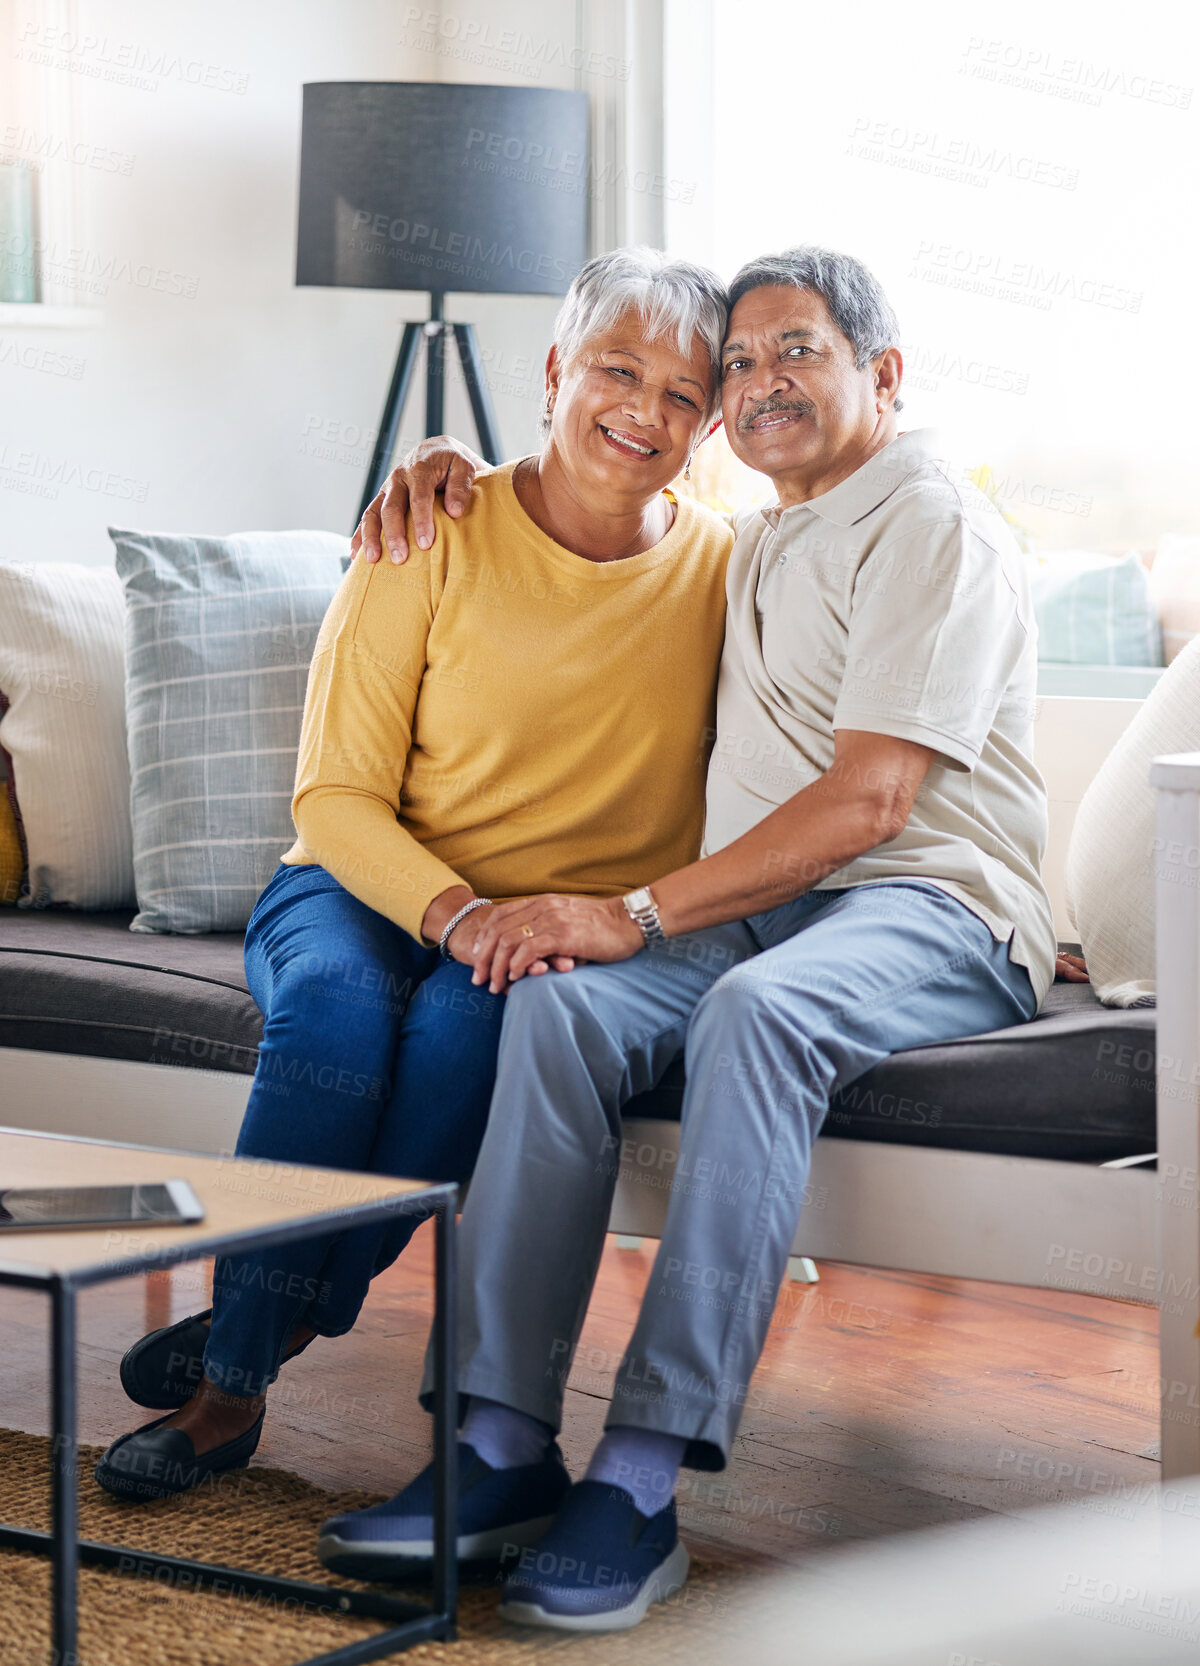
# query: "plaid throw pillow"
[[219, 634]]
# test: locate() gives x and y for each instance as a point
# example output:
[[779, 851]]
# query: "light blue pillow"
[[1096, 610], [219, 633]]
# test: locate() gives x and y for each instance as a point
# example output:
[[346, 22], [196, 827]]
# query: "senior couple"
[[499, 915]]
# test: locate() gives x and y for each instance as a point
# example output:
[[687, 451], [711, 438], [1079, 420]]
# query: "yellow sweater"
[[501, 713]]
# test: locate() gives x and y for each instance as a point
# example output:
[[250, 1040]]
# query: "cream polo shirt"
[[898, 603]]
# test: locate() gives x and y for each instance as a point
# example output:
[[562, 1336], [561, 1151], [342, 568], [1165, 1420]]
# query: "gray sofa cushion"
[[84, 983], [1077, 1084]]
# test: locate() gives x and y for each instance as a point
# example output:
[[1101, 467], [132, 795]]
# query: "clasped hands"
[[507, 940]]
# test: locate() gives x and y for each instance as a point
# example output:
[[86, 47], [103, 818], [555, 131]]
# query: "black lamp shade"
[[428, 186]]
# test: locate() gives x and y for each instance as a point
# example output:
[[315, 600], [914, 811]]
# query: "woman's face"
[[626, 411]]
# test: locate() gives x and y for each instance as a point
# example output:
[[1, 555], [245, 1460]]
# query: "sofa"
[[1047, 1130], [81, 985], [1026, 1155]]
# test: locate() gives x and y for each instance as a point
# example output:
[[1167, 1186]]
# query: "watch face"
[[639, 898]]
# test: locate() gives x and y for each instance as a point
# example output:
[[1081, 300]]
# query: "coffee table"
[[249, 1205]]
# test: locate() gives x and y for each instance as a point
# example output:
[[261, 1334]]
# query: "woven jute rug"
[[266, 1520]]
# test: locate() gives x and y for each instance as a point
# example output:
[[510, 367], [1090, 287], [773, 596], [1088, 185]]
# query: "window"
[[1023, 182], [40, 219]]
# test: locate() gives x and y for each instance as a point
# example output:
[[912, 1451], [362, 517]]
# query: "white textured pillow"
[[1110, 859], [62, 672]]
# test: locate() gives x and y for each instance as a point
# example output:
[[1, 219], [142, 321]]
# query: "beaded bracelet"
[[457, 920]]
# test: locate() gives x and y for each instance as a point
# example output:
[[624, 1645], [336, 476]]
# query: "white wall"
[[249, 404]]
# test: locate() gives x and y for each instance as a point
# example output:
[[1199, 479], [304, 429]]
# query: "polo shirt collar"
[[870, 485]]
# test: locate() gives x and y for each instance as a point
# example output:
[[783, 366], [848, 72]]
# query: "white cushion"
[[1110, 860], [62, 671]]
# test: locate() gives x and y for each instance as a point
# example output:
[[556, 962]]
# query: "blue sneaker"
[[599, 1567], [499, 1512]]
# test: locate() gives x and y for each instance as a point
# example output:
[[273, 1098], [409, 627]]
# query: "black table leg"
[[445, 1423], [407, 1623], [64, 1474]]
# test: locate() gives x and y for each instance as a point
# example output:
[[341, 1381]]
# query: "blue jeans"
[[777, 1012], [376, 1055]]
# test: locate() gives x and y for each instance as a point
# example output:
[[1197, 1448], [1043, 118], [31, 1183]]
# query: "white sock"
[[504, 1438], [643, 1462]]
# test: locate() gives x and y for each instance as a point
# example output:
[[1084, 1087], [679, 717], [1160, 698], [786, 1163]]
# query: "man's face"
[[795, 405]]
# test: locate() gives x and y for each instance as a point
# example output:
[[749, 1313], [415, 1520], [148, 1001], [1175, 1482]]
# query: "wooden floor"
[[884, 1400]]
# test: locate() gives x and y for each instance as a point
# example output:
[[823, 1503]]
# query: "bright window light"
[[1024, 182]]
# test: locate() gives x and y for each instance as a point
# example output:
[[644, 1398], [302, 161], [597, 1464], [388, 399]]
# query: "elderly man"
[[869, 883]]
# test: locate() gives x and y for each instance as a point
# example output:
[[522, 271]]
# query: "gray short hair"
[[856, 302], [676, 301]]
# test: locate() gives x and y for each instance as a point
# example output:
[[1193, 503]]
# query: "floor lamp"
[[447, 189]]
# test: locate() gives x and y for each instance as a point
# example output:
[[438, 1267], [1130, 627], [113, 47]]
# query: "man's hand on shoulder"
[[440, 464]]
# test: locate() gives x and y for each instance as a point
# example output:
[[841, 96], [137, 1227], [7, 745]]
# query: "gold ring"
[[526, 931]]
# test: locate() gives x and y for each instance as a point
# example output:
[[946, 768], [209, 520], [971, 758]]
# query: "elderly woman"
[[520, 709]]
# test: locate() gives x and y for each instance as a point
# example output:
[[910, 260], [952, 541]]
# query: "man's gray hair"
[[675, 300], [856, 302]]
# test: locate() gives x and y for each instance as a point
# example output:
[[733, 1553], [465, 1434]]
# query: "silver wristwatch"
[[643, 911]]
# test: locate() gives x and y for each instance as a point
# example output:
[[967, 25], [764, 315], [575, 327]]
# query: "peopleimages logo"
[[928, 367], [957, 157], [509, 156], [88, 270], [33, 471], [477, 42], [54, 147], [126, 63], [43, 359], [529, 153], [1025, 282], [1039, 69], [414, 241]]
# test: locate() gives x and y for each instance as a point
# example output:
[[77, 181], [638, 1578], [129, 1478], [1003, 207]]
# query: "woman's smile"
[[623, 441]]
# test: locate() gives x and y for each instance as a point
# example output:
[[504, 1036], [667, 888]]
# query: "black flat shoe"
[[164, 1369], [154, 1462]]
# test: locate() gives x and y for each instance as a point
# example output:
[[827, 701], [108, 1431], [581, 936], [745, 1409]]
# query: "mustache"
[[802, 407]]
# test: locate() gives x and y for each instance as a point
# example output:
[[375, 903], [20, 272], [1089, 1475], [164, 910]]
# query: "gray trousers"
[[777, 1012]]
